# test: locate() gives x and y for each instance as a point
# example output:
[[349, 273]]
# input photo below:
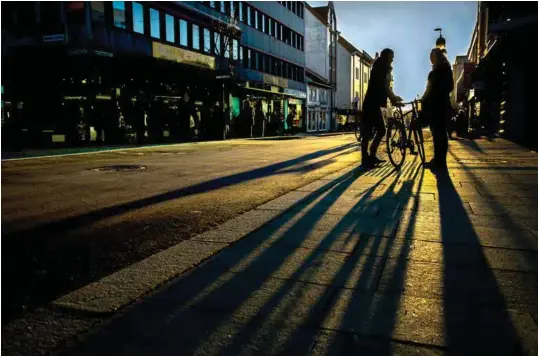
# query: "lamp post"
[[440, 42]]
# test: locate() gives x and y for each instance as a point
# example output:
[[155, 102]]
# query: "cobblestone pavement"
[[382, 262]]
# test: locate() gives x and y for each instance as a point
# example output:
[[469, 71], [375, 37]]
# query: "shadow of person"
[[475, 315]]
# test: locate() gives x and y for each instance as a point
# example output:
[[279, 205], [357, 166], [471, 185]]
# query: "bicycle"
[[397, 140]]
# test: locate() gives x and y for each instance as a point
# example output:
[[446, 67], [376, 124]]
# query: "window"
[[183, 33], [365, 78], [170, 34], [228, 44], [249, 20], [249, 59], [275, 29], [356, 73], [281, 32], [232, 9], [235, 50], [195, 36], [241, 56], [207, 40], [155, 23], [270, 26], [212, 4], [138, 18], [263, 22], [257, 60], [256, 25], [223, 6], [118, 8], [216, 41], [293, 7], [293, 39], [241, 12]]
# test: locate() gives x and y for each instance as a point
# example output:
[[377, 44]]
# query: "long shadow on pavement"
[[230, 291], [30, 250], [268, 292]]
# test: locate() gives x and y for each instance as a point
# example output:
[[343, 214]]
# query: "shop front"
[[276, 109], [318, 109]]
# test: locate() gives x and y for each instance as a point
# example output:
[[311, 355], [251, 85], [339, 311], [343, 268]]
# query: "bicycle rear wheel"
[[419, 143], [396, 143]]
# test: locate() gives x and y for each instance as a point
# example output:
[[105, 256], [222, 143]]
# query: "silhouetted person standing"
[[436, 105], [376, 98]]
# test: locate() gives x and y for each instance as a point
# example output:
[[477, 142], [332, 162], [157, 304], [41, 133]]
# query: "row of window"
[[260, 21], [365, 75], [262, 62], [176, 31], [294, 6]]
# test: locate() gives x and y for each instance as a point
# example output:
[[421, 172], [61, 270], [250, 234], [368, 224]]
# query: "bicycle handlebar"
[[409, 103]]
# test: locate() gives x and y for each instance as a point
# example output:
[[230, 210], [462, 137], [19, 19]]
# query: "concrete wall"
[[316, 45], [344, 77]]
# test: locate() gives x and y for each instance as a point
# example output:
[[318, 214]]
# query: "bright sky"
[[407, 28]]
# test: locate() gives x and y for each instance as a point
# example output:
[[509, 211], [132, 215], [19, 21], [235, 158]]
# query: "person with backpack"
[[376, 98]]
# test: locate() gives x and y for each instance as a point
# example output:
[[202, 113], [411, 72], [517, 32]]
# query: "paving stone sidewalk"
[[383, 262]]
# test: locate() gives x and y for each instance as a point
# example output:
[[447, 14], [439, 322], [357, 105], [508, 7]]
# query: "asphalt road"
[[67, 221]]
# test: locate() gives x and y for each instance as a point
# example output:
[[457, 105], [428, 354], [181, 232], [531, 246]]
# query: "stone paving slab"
[[496, 288], [287, 201], [313, 221], [449, 228], [330, 343], [504, 210], [312, 239], [306, 265], [455, 255], [238, 227], [422, 320]]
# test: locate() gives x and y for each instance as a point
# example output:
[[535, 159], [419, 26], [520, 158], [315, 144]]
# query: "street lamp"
[[441, 42]]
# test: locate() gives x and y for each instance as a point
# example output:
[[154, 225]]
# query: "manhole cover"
[[485, 160], [119, 168]]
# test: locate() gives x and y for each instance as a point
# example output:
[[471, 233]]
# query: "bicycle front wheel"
[[419, 140], [396, 143]]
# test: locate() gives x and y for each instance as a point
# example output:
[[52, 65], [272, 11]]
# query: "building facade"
[[88, 84], [458, 72], [503, 79], [273, 36], [354, 67], [119, 72], [320, 31]]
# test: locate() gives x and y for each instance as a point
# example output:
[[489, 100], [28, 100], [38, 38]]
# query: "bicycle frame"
[[406, 141], [413, 121]]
